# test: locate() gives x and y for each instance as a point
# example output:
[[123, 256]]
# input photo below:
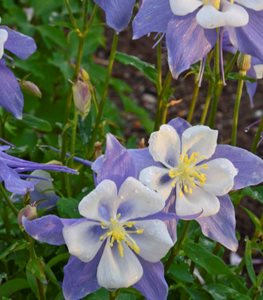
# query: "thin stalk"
[[162, 104], [218, 84], [207, 103], [8, 201], [159, 68], [177, 247], [102, 102], [257, 136], [236, 109], [194, 101]]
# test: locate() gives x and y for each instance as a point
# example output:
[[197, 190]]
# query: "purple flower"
[[120, 240], [219, 226], [195, 175], [118, 12], [190, 28], [13, 171], [11, 97]]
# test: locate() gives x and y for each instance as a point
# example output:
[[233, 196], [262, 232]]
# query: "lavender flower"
[[118, 12], [217, 219], [13, 171], [195, 175], [190, 27], [11, 97], [120, 240]]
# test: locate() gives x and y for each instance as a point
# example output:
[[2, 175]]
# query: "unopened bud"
[[244, 62], [82, 93], [31, 88], [30, 212]]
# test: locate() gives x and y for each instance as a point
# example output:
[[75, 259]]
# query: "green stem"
[[177, 247], [207, 103], [257, 136], [194, 101], [218, 84], [236, 109], [8, 201], [162, 103], [159, 68], [105, 90]]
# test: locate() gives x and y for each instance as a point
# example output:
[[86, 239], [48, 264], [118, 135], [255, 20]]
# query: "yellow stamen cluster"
[[187, 174], [215, 3], [117, 232]]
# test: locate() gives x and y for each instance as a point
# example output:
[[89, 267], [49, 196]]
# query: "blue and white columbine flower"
[[11, 97], [117, 242], [190, 27], [118, 12], [188, 171]]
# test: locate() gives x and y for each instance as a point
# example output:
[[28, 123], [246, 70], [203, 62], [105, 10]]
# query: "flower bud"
[[30, 212], [82, 93], [31, 88], [244, 62]]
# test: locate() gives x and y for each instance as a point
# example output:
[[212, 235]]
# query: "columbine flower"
[[118, 243], [188, 171], [118, 13], [11, 97], [190, 27], [13, 171], [210, 174]]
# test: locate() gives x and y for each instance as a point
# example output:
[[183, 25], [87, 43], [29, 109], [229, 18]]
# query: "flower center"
[[215, 3], [187, 175], [120, 233]]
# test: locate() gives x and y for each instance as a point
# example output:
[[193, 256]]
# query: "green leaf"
[[36, 123], [202, 257], [36, 267], [222, 292], [68, 208], [253, 218], [16, 246], [180, 272], [10, 287], [249, 264], [147, 69], [255, 193]]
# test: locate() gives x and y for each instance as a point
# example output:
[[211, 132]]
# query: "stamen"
[[187, 175], [117, 233]]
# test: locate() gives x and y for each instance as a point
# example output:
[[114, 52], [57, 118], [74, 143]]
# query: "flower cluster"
[[129, 221]]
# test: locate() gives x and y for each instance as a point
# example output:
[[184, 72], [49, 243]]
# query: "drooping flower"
[[11, 97], [118, 12], [120, 240], [191, 27], [13, 171]]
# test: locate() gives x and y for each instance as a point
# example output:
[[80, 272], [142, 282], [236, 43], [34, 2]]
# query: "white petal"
[[83, 240], [259, 71], [3, 39], [184, 7], [195, 203], [253, 4], [200, 139], [231, 15], [157, 179], [116, 272], [154, 242], [101, 203], [137, 200], [164, 146], [219, 176]]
